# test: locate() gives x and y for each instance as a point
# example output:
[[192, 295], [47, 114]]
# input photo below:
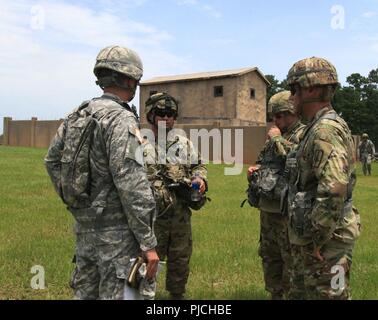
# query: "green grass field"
[[36, 229]]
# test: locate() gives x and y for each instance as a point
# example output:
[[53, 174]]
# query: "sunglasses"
[[163, 113]]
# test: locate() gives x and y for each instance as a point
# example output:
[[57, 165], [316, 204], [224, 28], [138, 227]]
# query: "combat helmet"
[[312, 72], [120, 60], [158, 102], [365, 136], [281, 102]]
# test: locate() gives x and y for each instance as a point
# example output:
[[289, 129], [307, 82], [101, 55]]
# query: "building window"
[[253, 94], [152, 93], [218, 91]]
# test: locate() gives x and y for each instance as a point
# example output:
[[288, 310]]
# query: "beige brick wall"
[[248, 109]]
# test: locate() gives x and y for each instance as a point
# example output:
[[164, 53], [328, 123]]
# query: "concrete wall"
[[29, 133], [19, 133], [199, 106], [34, 133], [45, 132]]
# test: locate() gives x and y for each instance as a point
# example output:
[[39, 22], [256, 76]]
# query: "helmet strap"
[[151, 118], [325, 96], [115, 79]]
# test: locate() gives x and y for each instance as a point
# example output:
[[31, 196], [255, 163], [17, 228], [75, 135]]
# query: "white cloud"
[[75, 24], [46, 72], [212, 11]]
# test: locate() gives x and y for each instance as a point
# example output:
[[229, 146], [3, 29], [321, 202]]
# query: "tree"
[[273, 88], [358, 104]]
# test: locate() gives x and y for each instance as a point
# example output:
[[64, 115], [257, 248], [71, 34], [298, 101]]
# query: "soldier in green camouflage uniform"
[[274, 242], [322, 219], [367, 151], [168, 163], [93, 164]]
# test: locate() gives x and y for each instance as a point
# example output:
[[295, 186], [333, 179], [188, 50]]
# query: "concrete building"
[[222, 98]]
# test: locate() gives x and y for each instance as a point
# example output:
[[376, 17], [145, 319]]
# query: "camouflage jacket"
[[321, 188], [119, 185], [274, 156], [366, 147], [176, 161]]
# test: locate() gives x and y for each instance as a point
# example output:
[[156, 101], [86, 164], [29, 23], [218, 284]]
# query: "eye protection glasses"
[[163, 113]]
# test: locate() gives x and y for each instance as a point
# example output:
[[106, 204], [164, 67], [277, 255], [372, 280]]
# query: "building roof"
[[203, 76]]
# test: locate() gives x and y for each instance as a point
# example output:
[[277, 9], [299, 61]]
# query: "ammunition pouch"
[[284, 200], [299, 209], [271, 183], [164, 197], [253, 191], [348, 207]]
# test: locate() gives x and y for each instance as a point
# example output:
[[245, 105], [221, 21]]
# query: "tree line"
[[356, 102]]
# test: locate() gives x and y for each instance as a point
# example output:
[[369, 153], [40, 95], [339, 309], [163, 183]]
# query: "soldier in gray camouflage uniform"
[[93, 164], [172, 167], [322, 219], [274, 242], [367, 151]]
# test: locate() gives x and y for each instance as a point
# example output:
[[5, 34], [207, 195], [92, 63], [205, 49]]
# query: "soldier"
[[173, 165], [322, 219], [274, 242], [367, 151], [92, 162]]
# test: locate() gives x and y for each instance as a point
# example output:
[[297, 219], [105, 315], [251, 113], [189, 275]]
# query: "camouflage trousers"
[[102, 264], [366, 164], [275, 253], [328, 279], [297, 288], [174, 236]]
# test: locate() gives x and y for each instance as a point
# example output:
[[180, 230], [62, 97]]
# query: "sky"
[[48, 48]]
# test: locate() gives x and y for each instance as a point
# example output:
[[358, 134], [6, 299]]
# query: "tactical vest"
[[366, 147], [171, 181], [301, 202], [272, 180]]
